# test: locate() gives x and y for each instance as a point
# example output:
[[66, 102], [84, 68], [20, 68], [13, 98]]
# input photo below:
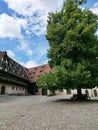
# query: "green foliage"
[[73, 46], [47, 81], [71, 76]]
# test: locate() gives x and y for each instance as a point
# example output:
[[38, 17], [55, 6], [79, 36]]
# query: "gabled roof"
[[35, 72], [9, 65]]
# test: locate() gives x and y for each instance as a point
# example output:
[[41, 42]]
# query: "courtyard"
[[47, 113]]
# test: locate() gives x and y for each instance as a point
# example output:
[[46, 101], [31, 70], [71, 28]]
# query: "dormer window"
[[5, 69], [6, 61], [41, 71], [0, 67], [1, 59], [30, 73], [12, 87], [23, 75]]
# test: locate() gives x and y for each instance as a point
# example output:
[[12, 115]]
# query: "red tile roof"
[[35, 72]]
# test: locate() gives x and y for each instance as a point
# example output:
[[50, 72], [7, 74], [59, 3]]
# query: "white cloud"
[[41, 52], [95, 8], [25, 47], [11, 26], [27, 64], [29, 9], [30, 63], [33, 22], [37, 23], [10, 54], [51, 5], [24, 7]]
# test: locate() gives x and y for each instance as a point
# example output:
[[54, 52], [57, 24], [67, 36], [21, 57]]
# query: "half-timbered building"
[[13, 76], [18, 80]]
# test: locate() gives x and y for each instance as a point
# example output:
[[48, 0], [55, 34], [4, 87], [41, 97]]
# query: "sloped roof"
[[35, 72], [14, 68], [9, 65]]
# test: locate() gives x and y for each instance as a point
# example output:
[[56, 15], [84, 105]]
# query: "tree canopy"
[[48, 81], [73, 42]]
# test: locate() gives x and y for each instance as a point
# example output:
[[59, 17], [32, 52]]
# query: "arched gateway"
[[2, 90]]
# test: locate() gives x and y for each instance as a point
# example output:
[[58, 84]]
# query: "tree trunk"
[[79, 93], [80, 96]]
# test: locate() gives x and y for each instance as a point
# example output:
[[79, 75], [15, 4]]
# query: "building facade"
[[15, 79], [34, 74], [13, 76]]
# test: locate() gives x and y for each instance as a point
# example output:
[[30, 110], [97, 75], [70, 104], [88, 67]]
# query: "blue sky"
[[23, 28]]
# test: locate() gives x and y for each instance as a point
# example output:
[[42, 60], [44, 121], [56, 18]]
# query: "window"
[[2, 59], [41, 71], [5, 69], [0, 67], [30, 73], [32, 77], [12, 87], [23, 75], [6, 61], [16, 88], [38, 76]]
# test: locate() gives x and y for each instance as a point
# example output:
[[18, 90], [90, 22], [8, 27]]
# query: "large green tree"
[[73, 46]]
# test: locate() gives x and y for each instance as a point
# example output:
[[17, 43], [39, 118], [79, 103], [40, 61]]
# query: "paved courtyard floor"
[[47, 113]]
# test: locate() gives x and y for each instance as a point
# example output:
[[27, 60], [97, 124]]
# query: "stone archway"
[[68, 91], [44, 91], [87, 93], [95, 93], [2, 90]]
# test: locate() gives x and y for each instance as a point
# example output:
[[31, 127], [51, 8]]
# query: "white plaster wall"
[[74, 91], [95, 90], [61, 92], [9, 90], [39, 91], [49, 92], [65, 91]]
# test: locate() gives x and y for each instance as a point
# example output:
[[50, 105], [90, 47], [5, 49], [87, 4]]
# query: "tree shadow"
[[73, 101]]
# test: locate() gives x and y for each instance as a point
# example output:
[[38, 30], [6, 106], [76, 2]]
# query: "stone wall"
[[90, 92], [8, 89]]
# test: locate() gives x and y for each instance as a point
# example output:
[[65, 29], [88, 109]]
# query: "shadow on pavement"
[[71, 101]]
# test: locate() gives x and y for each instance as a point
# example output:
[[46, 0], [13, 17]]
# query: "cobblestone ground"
[[47, 113]]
